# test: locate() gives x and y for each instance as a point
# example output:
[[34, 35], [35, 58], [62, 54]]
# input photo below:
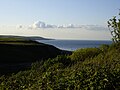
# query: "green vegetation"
[[85, 69], [114, 27], [17, 53], [18, 40], [26, 51]]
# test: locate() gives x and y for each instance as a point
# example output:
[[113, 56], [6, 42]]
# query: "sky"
[[59, 19]]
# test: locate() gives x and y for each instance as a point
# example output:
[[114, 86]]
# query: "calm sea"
[[72, 45]]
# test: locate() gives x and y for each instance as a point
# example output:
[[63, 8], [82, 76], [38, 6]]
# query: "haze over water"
[[72, 45]]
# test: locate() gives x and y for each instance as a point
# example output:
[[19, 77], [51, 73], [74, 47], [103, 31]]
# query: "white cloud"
[[71, 26], [40, 24], [94, 27], [19, 26], [60, 26], [50, 26]]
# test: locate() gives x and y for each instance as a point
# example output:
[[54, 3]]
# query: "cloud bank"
[[19, 26], [40, 24], [94, 27]]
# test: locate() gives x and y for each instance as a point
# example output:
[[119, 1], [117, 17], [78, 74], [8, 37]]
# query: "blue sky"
[[57, 12]]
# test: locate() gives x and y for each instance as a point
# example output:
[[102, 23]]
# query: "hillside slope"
[[17, 53], [85, 69], [11, 37]]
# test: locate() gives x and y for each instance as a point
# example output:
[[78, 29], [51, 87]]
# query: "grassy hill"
[[85, 69], [17, 53], [11, 37], [19, 49]]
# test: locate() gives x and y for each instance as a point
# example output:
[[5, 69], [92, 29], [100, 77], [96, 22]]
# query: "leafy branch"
[[114, 27]]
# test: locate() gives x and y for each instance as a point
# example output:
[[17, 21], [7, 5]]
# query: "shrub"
[[63, 59], [82, 54], [98, 71]]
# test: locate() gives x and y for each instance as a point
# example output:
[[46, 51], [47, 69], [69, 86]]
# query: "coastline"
[[18, 54]]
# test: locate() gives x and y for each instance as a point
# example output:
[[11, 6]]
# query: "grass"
[[16, 41], [15, 51], [85, 69]]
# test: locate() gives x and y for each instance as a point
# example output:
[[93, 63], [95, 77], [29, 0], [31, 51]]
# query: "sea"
[[72, 45]]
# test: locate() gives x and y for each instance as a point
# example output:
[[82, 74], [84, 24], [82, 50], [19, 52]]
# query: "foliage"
[[82, 54], [96, 69], [114, 27]]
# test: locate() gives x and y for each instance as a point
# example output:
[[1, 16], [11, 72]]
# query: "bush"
[[98, 71], [104, 48], [82, 54], [63, 59]]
